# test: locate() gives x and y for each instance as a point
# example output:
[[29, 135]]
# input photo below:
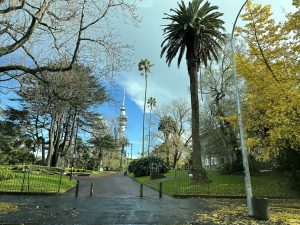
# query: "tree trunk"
[[149, 132], [43, 150], [121, 159], [51, 140], [177, 156], [145, 98], [199, 172], [58, 134], [100, 159], [167, 149]]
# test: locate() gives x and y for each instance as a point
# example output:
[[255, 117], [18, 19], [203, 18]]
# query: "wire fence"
[[232, 185], [30, 178]]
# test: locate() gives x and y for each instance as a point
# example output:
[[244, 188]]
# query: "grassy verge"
[[36, 182], [222, 185], [234, 211], [6, 207]]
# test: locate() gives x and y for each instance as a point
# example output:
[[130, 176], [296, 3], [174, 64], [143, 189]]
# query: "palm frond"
[[192, 25]]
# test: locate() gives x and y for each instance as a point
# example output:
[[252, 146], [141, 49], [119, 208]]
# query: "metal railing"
[[30, 178]]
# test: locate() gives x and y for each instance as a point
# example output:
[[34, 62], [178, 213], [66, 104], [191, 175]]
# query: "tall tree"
[[196, 30], [151, 102], [145, 67], [60, 107], [272, 97], [33, 33], [176, 143], [217, 86], [168, 126]]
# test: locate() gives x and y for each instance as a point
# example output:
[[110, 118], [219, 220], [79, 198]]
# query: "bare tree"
[[34, 33], [174, 124]]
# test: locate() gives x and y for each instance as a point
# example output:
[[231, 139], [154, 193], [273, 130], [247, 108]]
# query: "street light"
[[240, 122]]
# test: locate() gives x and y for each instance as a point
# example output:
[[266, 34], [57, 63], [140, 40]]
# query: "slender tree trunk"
[[143, 138], [58, 134], [198, 170], [43, 150], [51, 140], [121, 159], [149, 131], [100, 155], [167, 150]]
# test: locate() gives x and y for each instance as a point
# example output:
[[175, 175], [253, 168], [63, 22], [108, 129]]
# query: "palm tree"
[[197, 30], [145, 67], [151, 102]]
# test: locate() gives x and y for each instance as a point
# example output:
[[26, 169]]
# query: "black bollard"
[[77, 189], [160, 189], [92, 189], [141, 190]]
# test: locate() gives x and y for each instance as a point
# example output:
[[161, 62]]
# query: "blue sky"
[[165, 84]]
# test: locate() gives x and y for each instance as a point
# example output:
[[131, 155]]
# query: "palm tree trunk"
[[143, 140], [149, 131], [199, 172]]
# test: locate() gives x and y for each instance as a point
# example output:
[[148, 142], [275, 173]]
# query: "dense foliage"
[[141, 167], [269, 65]]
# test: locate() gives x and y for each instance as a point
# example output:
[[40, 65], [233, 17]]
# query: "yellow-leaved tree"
[[269, 65]]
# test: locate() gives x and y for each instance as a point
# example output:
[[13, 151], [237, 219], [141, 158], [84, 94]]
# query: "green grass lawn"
[[36, 182], [223, 185]]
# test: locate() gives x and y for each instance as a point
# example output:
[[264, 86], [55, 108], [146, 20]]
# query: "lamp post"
[[247, 178], [131, 151]]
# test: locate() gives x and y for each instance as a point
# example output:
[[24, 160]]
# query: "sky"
[[164, 83]]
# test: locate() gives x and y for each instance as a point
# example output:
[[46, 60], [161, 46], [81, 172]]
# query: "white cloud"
[[163, 87], [165, 84]]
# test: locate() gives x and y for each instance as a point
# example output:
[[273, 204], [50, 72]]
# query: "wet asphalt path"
[[115, 201], [111, 185]]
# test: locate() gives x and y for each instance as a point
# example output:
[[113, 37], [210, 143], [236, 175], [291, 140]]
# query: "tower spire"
[[122, 117], [123, 104]]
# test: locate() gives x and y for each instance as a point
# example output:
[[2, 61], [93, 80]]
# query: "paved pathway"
[[115, 201]]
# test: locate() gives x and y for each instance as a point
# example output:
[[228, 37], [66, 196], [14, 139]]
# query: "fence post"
[[60, 177], [92, 189], [77, 189], [160, 189], [141, 190]]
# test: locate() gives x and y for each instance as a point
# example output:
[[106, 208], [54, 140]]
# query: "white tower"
[[122, 119]]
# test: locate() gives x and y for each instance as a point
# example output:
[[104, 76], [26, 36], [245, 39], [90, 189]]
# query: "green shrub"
[[6, 174], [294, 179], [232, 168], [141, 167]]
